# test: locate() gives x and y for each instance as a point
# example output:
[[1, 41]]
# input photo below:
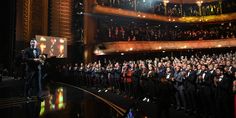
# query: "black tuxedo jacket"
[[191, 78], [206, 81], [29, 58], [224, 88]]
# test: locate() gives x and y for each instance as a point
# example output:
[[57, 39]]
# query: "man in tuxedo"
[[178, 84], [223, 93], [33, 70], [190, 86], [204, 87], [164, 92]]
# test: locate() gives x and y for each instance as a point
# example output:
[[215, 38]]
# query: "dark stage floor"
[[68, 101]]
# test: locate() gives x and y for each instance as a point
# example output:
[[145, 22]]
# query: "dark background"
[[7, 35]]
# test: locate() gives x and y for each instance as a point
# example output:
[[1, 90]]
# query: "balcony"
[[142, 46]]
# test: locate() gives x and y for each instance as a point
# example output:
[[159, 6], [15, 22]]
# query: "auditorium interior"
[[118, 59]]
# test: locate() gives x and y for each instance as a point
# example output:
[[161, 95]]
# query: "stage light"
[[62, 40], [166, 1], [42, 39]]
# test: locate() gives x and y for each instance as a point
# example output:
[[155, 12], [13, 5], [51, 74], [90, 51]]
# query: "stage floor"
[[68, 101]]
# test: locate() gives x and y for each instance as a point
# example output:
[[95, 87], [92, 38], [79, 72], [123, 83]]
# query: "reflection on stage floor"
[[63, 100], [60, 101]]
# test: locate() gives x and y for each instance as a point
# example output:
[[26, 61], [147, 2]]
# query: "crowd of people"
[[201, 85], [127, 29], [172, 9]]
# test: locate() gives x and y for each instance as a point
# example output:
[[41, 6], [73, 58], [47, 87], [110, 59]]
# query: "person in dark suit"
[[178, 85], [33, 87], [190, 86], [164, 93], [33, 70], [234, 94], [205, 87], [223, 94]]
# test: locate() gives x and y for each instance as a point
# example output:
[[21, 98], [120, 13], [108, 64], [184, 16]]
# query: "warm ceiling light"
[[166, 1], [199, 3], [184, 47], [96, 51], [42, 39]]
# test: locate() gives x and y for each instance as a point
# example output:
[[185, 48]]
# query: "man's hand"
[[36, 59], [39, 60]]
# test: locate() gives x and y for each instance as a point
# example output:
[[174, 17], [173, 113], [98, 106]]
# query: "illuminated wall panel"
[[61, 19]]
